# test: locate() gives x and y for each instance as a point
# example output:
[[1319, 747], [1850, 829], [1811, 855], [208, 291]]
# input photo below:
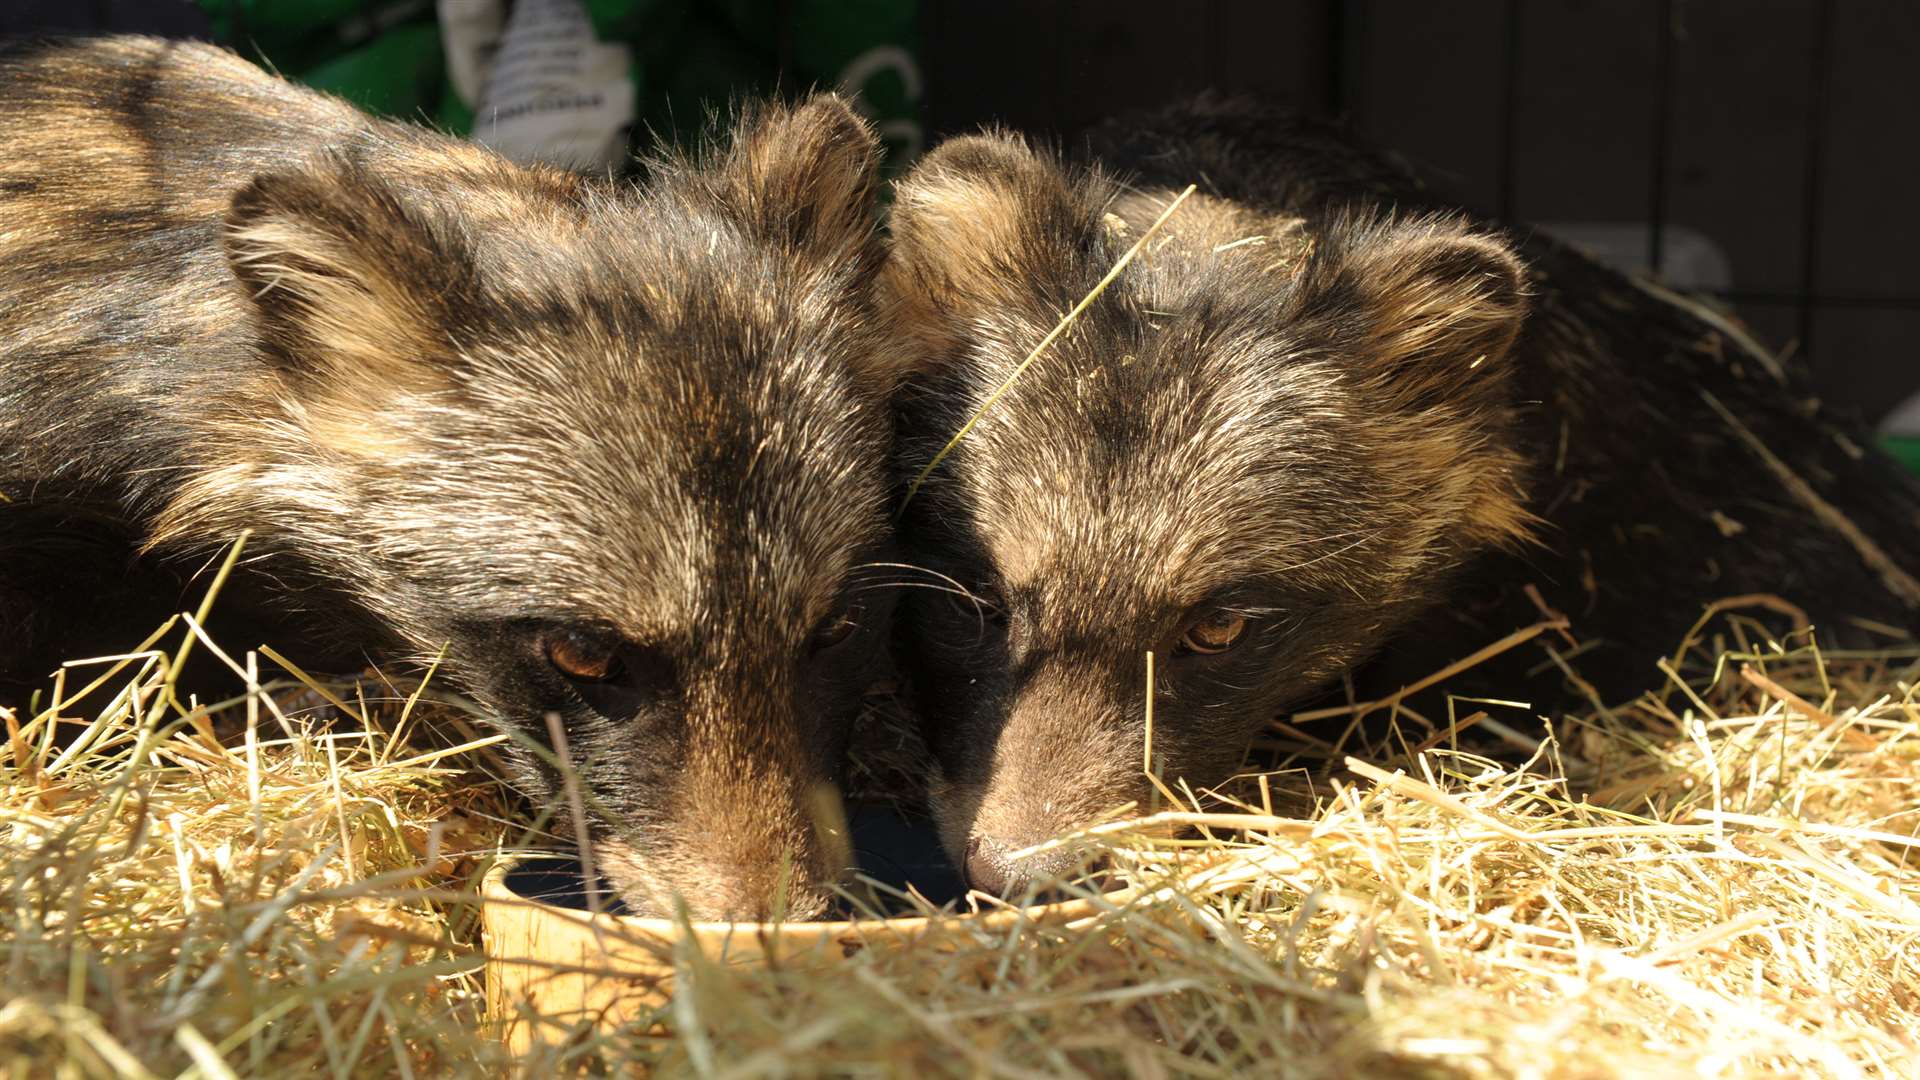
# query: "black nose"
[[991, 867]]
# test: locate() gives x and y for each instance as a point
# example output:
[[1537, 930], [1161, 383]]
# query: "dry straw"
[[1718, 879]]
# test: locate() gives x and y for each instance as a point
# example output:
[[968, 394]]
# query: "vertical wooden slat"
[[1588, 86], [1128, 54], [1869, 212], [990, 62], [1427, 81], [1739, 129]]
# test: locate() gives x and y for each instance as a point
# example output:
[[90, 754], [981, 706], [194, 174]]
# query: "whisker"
[[1330, 554], [923, 585], [916, 569]]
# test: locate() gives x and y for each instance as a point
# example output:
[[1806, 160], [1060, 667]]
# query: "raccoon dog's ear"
[[1424, 313], [803, 176], [1428, 307], [353, 289], [982, 221]]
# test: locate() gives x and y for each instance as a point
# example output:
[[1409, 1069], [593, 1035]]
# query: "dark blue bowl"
[[893, 850]]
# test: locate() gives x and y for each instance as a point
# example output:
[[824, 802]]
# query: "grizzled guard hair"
[[617, 449], [1319, 406]]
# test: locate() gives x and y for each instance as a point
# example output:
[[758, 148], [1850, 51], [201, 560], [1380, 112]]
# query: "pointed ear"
[[1429, 307], [352, 289], [979, 223], [803, 176]]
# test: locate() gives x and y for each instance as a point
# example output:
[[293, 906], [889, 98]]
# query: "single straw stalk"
[[1059, 328]]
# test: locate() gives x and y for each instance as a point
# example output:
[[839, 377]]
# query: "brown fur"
[[464, 404], [1313, 401]]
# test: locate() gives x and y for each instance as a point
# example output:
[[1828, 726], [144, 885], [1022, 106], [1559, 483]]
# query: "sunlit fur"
[[1314, 399], [463, 400]]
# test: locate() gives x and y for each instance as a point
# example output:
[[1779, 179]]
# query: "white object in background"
[[541, 86], [1904, 421], [1689, 261], [470, 35]]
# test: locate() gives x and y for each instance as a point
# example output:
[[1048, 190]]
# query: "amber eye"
[[1217, 632], [582, 657], [837, 627]]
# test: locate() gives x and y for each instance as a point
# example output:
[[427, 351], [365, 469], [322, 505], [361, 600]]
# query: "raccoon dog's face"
[[619, 451], [1254, 456]]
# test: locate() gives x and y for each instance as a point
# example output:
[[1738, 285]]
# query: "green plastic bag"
[[1904, 450], [386, 58]]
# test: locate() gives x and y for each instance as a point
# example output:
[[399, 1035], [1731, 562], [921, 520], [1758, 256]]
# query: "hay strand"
[[1119, 266]]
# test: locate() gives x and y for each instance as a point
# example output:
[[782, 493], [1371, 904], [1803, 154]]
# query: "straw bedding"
[[1718, 879]]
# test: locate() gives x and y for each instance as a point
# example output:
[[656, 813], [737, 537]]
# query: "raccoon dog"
[[618, 450], [1324, 419]]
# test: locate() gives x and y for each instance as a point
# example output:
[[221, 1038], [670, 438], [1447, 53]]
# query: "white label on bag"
[[550, 91]]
